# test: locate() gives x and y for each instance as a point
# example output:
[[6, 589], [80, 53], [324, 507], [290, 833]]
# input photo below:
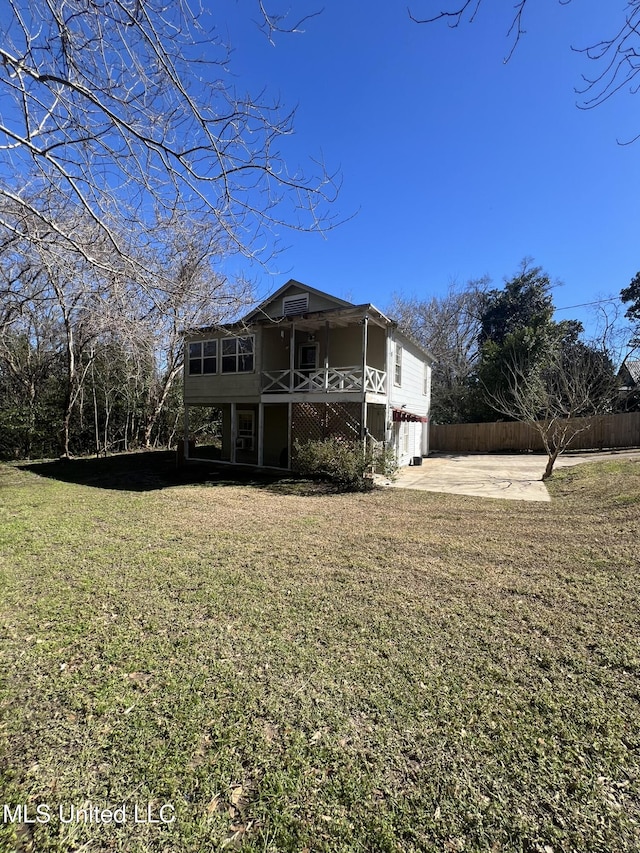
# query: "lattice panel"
[[344, 420], [308, 422], [316, 421]]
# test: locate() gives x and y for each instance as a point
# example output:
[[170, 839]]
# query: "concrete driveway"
[[493, 475]]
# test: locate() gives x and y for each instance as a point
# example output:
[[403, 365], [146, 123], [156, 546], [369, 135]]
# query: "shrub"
[[345, 463], [385, 462]]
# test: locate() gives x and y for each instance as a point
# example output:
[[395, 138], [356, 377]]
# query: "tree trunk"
[[158, 408], [551, 461]]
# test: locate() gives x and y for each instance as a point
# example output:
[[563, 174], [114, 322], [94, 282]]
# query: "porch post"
[[365, 340], [388, 433], [260, 435], [292, 355], [233, 433], [290, 434], [326, 355], [185, 451]]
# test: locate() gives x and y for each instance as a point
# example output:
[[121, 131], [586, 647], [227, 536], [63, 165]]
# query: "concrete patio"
[[493, 475]]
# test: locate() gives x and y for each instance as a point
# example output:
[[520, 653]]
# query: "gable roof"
[[633, 369], [292, 284], [340, 311]]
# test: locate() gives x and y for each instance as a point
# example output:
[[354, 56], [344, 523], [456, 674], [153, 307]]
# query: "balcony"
[[329, 380]]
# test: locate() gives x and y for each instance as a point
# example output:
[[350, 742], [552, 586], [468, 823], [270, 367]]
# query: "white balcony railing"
[[324, 379], [376, 380]]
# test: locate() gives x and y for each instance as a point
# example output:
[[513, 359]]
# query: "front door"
[[401, 441], [308, 356], [307, 366]]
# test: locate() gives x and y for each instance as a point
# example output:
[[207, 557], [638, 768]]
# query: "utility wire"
[[586, 304]]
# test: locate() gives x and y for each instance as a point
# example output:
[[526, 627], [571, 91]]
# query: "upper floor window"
[[203, 357], [238, 354], [397, 374], [425, 380]]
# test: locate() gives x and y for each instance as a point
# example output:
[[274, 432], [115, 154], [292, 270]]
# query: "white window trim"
[[397, 365]]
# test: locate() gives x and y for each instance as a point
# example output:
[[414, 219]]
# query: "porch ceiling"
[[335, 318]]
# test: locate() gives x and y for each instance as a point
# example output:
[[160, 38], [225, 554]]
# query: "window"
[[398, 366], [425, 380], [297, 304], [245, 432], [237, 354], [203, 357]]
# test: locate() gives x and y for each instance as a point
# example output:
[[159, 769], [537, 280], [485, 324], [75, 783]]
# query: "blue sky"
[[455, 164]]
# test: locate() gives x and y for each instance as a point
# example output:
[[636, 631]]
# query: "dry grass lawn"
[[292, 670]]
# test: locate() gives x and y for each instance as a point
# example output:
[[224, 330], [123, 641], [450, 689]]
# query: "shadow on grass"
[[154, 470]]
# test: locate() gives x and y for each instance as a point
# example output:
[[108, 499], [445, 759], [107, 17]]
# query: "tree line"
[[500, 354], [133, 166], [91, 358], [91, 362]]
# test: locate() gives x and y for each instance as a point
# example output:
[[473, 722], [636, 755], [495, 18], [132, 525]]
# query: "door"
[[307, 367], [308, 357]]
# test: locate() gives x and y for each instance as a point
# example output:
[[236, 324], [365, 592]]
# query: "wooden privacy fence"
[[603, 431]]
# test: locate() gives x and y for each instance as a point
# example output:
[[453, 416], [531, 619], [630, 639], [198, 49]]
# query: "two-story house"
[[306, 365]]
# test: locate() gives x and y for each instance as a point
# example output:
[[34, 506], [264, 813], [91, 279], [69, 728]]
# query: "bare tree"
[[30, 347], [125, 110], [612, 333], [154, 321], [616, 56], [448, 327], [573, 384], [94, 309], [82, 325]]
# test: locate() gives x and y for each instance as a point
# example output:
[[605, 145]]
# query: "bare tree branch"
[[470, 9], [554, 397], [617, 58], [125, 109]]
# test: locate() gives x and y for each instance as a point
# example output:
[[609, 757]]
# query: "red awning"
[[404, 415]]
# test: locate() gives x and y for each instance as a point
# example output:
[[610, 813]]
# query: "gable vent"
[[297, 304]]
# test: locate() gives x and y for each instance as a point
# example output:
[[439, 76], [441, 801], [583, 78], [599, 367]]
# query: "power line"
[[586, 304]]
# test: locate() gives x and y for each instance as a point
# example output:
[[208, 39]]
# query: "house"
[[306, 365], [629, 388]]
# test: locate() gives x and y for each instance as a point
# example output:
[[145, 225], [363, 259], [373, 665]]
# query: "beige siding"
[[345, 346], [226, 432], [207, 389], [376, 423], [275, 355], [316, 302], [276, 435], [376, 347]]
